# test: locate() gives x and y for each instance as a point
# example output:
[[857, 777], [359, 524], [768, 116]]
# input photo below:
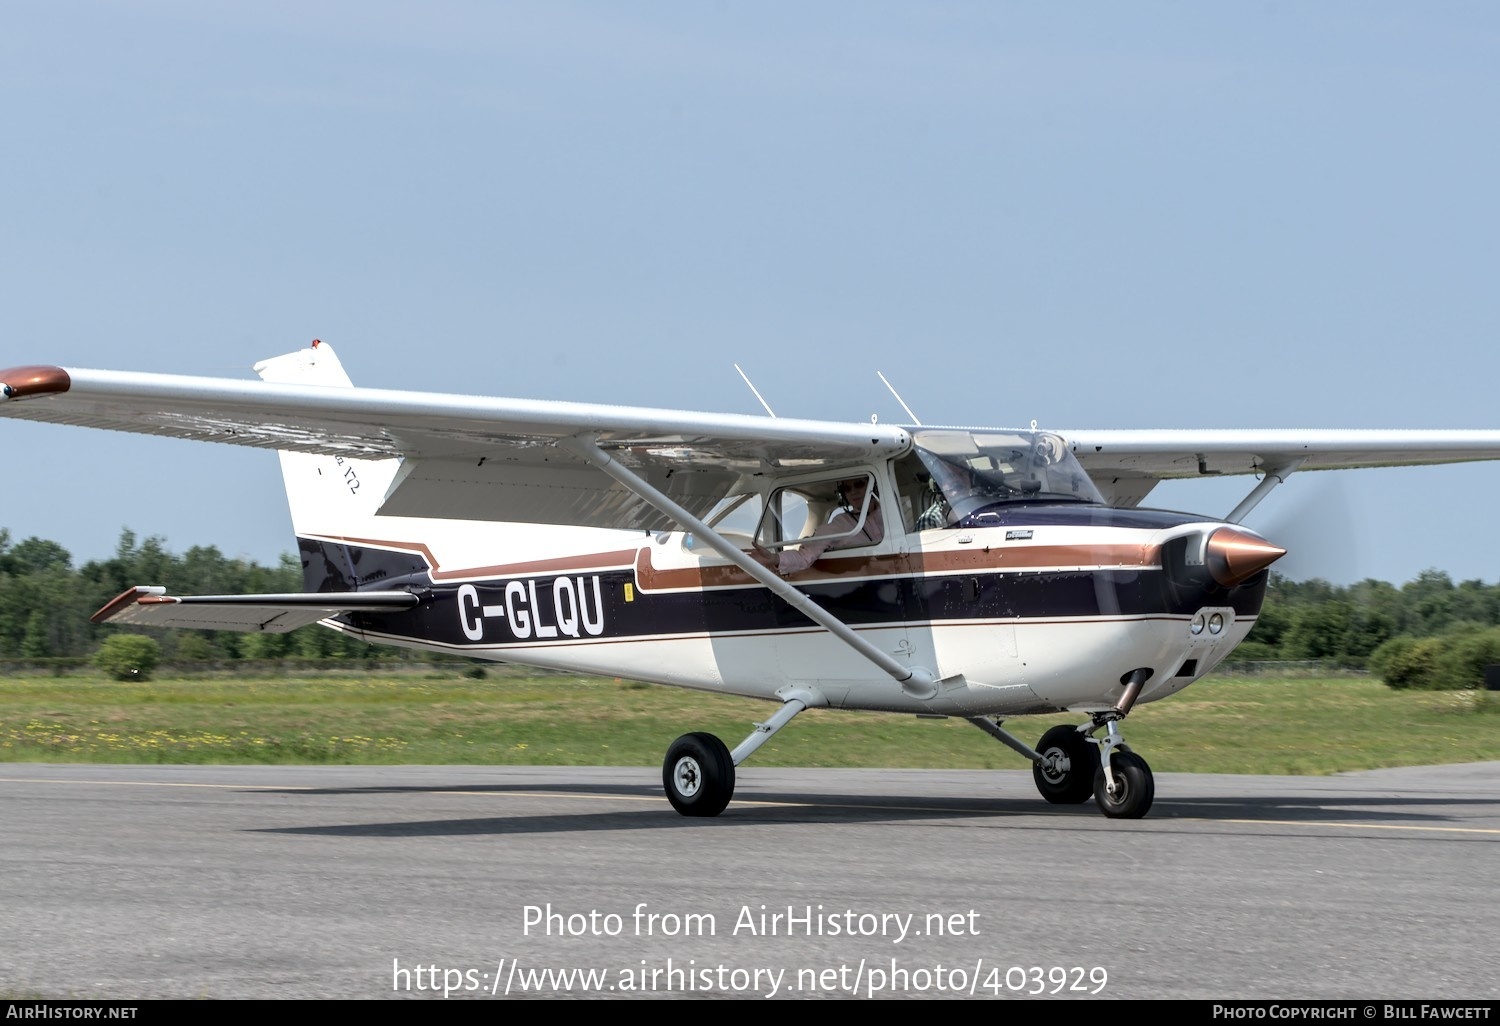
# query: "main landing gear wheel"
[[698, 774], [1067, 775], [1134, 790]]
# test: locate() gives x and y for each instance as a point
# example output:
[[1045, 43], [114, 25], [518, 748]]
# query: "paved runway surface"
[[471, 882]]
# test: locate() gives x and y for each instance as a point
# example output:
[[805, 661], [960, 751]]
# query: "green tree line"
[[45, 603], [1427, 633]]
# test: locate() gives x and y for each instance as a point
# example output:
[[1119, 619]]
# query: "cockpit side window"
[[733, 517], [789, 515], [918, 494], [796, 512]]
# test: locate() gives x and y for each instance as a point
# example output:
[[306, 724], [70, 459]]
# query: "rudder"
[[331, 498]]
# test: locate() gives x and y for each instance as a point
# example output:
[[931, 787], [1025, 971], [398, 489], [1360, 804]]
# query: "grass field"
[[1230, 724]]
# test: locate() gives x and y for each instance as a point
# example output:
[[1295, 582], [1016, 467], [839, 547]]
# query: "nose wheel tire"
[[1134, 790], [698, 775], [1067, 777]]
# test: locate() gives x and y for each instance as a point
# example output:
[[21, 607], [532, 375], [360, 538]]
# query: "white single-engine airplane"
[[986, 573]]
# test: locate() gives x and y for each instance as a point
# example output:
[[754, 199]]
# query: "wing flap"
[[148, 606], [557, 493]]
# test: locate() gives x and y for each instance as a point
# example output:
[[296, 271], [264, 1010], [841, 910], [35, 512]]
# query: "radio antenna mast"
[[756, 391], [900, 400]]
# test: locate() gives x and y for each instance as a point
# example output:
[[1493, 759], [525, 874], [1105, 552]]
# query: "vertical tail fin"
[[332, 498]]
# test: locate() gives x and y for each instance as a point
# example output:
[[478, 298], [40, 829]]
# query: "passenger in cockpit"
[[852, 497]]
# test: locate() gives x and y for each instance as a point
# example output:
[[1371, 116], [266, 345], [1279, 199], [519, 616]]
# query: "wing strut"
[[1273, 477], [915, 681]]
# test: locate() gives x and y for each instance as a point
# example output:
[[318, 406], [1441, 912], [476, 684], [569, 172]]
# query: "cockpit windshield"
[[964, 472]]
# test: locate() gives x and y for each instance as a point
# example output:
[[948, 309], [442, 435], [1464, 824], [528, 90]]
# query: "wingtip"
[[25, 382], [128, 598]]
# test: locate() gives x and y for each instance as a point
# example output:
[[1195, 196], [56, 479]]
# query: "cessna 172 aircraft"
[[982, 574]]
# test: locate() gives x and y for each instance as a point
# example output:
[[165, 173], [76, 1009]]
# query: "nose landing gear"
[[1069, 763], [1126, 788], [1075, 765]]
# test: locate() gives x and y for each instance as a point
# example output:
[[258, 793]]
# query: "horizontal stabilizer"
[[276, 614]]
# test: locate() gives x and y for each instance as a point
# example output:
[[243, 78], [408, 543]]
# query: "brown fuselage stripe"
[[1031, 557], [988, 560], [985, 559]]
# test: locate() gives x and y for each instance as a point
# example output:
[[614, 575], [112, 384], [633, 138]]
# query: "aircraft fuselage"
[[1048, 609]]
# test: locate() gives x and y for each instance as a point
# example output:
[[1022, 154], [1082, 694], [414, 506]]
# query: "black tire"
[[1074, 785], [1135, 787], [698, 775]]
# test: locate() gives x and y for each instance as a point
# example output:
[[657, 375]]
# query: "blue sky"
[[1087, 214]]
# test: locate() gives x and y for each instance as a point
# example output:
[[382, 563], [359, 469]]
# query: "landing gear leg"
[[1072, 765], [698, 773], [1069, 763], [1064, 762], [1128, 789], [1070, 760]]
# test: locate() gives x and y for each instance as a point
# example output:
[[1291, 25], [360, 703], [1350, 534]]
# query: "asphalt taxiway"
[[450, 883]]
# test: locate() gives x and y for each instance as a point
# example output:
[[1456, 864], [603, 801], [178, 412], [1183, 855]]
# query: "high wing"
[[482, 458], [1126, 465], [463, 457]]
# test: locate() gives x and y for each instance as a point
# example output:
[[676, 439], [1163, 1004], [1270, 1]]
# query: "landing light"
[[1197, 626], [1216, 623]]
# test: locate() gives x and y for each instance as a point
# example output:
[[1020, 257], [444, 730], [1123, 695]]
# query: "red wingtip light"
[[1234, 555]]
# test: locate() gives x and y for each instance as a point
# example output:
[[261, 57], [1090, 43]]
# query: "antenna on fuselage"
[[756, 391], [900, 400]]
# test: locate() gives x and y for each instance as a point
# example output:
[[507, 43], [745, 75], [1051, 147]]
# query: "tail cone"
[[1234, 555]]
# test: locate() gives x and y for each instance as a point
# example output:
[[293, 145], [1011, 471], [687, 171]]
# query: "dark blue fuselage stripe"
[[501, 612]]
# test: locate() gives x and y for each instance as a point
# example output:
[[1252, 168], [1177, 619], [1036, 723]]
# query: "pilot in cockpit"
[[946, 484]]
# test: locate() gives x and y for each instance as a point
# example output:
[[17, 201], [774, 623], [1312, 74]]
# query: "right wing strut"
[[916, 681]]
